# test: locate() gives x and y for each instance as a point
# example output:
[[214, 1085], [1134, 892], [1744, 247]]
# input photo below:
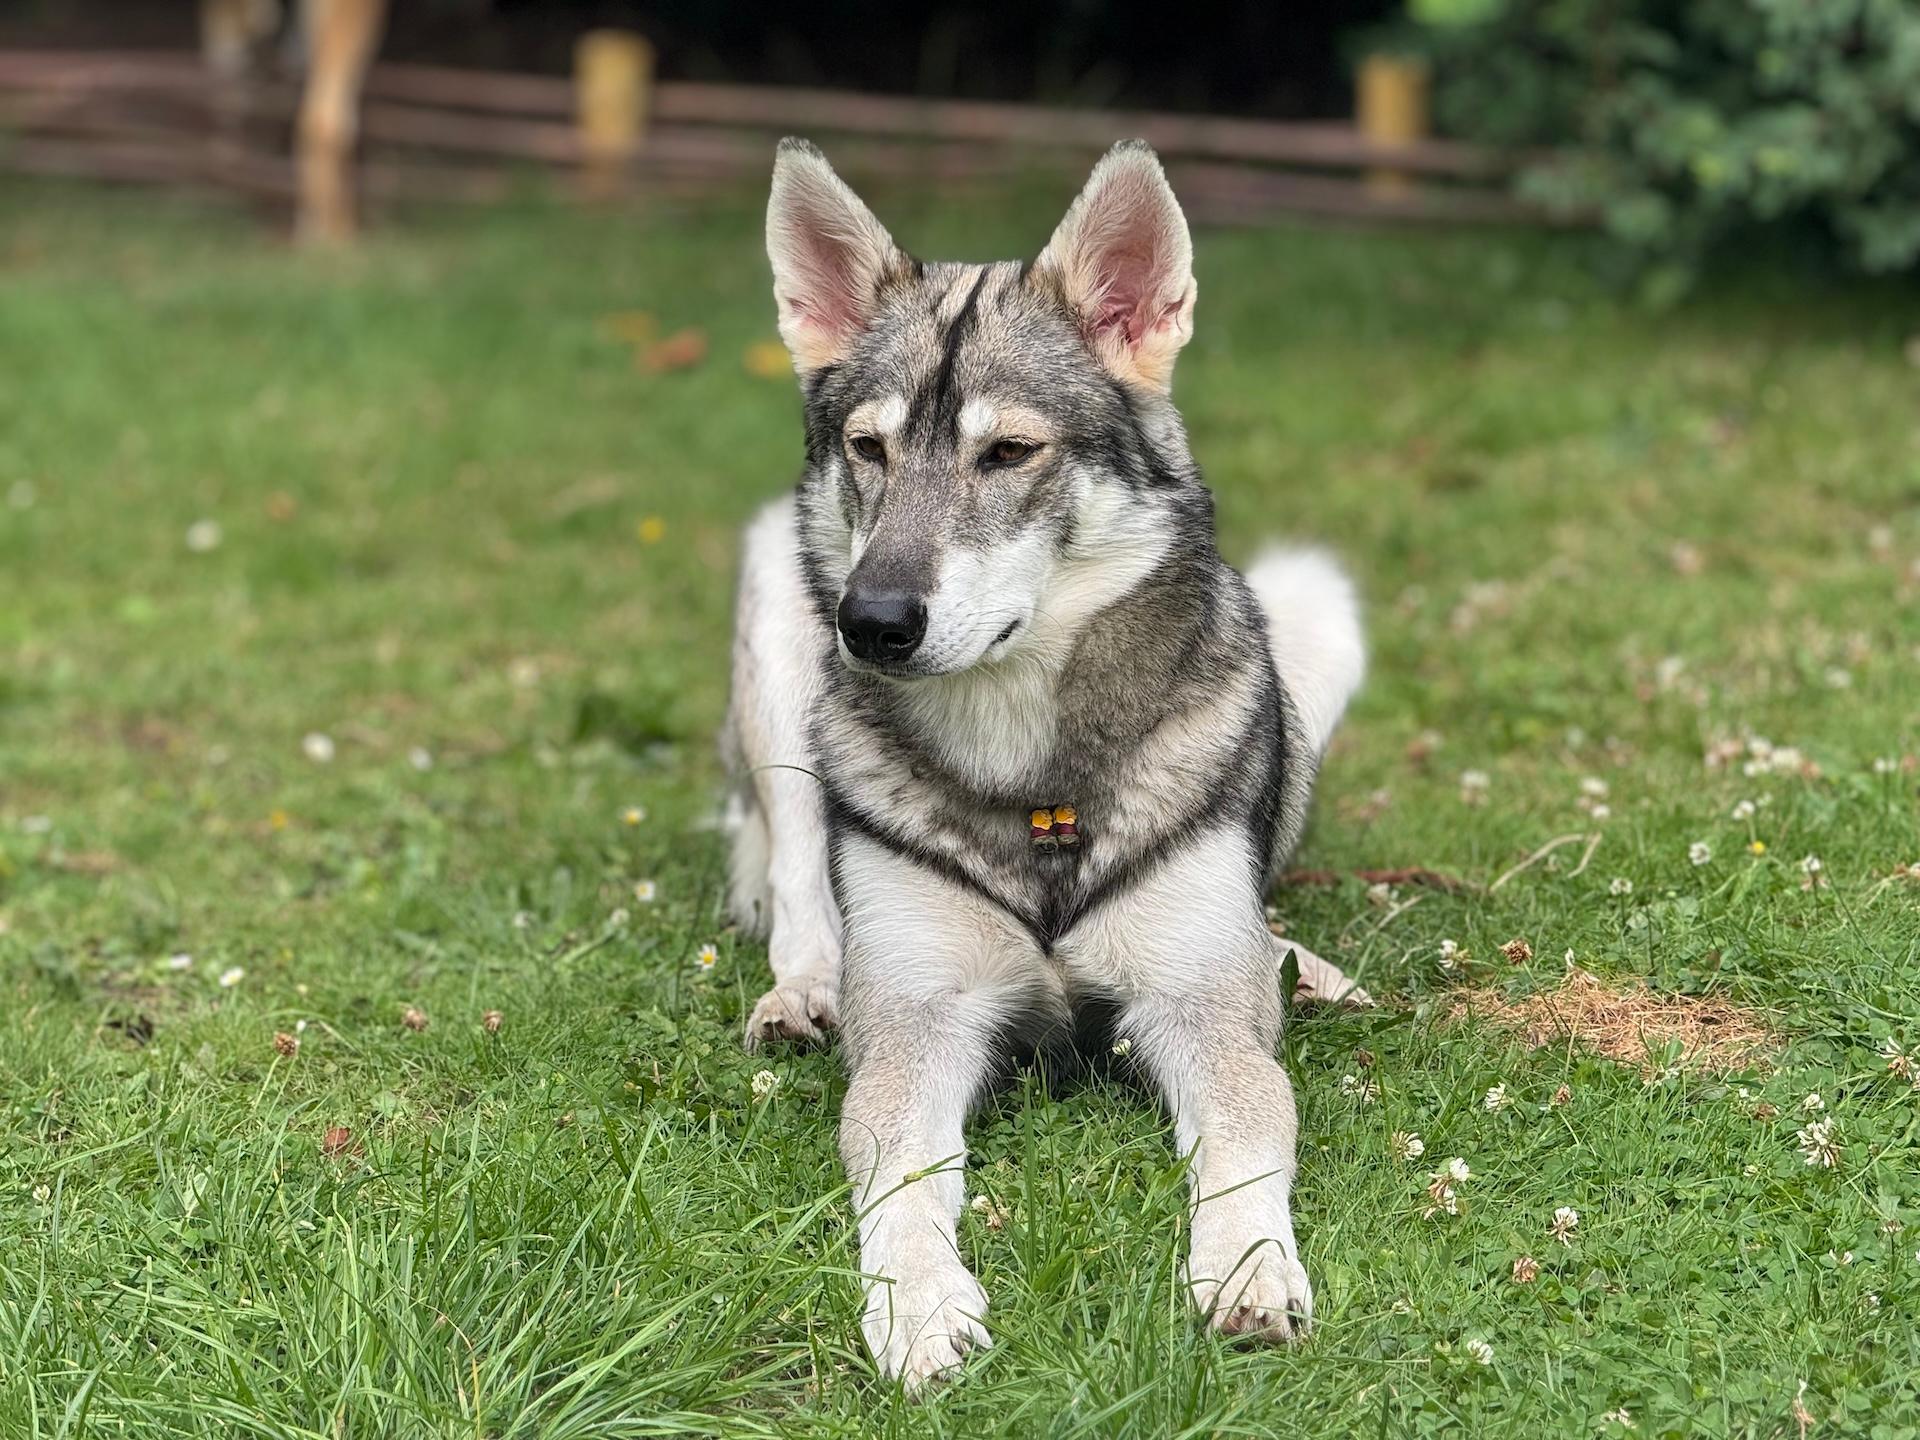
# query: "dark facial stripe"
[[936, 408]]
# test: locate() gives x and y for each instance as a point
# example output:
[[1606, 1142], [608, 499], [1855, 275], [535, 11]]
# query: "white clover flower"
[[231, 976], [1496, 1099], [1450, 955], [1813, 1104], [1601, 812], [1566, 1220], [203, 536], [1594, 786], [1699, 852], [1458, 1171], [1810, 865], [420, 758], [1406, 1145], [994, 1216], [1819, 1145], [1364, 1090], [523, 920], [1123, 1047], [1620, 885], [182, 961], [1480, 1352], [317, 747], [1885, 765], [1744, 810], [618, 919], [764, 1084]]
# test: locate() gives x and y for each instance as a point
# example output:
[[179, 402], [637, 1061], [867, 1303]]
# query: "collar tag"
[[1054, 829]]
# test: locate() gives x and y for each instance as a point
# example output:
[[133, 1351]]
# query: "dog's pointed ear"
[[830, 257], [1123, 262]]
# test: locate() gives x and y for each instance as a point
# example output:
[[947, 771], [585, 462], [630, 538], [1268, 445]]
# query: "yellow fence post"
[[1393, 111], [613, 84], [341, 38]]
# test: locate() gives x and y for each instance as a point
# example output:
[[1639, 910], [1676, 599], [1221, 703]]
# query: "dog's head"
[[983, 440]]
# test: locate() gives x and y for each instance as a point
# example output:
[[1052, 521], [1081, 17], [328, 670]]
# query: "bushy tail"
[[1313, 625]]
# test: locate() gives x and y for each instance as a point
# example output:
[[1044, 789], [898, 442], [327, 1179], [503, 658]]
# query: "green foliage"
[[1681, 124]]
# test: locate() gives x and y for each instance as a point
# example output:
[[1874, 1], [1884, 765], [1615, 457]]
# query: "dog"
[[1012, 744]]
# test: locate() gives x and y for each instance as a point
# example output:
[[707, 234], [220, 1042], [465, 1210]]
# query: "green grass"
[[429, 461]]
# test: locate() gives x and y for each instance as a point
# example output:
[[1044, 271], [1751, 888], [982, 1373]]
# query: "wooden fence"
[[444, 134]]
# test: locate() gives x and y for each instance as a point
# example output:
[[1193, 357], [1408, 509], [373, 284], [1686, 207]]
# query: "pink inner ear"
[[1131, 299], [826, 298]]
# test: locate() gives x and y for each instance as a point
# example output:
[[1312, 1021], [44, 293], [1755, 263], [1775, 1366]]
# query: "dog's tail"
[[1313, 625]]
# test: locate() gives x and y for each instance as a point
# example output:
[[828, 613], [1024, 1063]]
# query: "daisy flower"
[[633, 815], [231, 976], [645, 891], [708, 957]]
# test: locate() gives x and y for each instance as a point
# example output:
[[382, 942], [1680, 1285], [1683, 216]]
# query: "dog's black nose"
[[882, 626]]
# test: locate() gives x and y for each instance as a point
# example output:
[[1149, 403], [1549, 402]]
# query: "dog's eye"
[[868, 448], [1010, 452]]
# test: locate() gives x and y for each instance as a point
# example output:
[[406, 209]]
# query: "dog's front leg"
[[932, 977], [1194, 964]]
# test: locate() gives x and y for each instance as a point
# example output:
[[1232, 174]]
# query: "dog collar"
[[1055, 828]]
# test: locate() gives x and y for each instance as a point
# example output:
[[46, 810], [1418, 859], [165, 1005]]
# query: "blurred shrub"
[[1679, 123]]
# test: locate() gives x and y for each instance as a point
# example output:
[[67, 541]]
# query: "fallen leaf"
[[681, 350], [636, 327], [768, 359]]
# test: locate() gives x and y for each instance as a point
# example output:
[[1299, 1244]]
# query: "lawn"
[[363, 627]]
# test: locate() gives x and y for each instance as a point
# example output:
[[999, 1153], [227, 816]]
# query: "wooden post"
[[231, 35], [341, 38], [1393, 111], [613, 90]]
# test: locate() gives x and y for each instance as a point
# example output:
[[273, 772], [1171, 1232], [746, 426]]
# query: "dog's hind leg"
[[779, 885]]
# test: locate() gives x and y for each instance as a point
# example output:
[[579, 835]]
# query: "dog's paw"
[[922, 1327], [802, 1008], [1260, 1294]]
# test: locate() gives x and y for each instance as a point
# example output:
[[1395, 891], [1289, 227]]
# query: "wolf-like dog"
[[1013, 745]]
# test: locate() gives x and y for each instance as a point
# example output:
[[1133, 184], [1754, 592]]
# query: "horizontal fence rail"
[[440, 133]]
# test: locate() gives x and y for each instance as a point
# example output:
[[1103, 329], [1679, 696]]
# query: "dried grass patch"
[[1632, 1024]]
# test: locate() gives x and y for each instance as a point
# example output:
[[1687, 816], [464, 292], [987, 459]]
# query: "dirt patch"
[[1630, 1023]]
